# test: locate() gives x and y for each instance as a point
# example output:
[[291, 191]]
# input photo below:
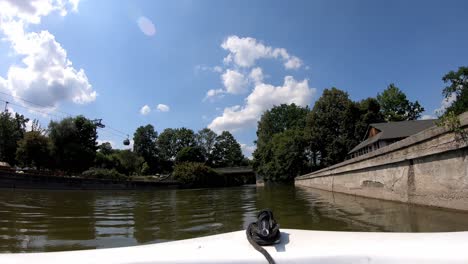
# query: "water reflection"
[[378, 215], [38, 220]]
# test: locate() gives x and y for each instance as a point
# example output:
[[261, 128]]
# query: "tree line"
[[69, 147], [294, 140], [291, 140]]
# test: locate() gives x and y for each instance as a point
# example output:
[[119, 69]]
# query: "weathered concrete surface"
[[429, 168]]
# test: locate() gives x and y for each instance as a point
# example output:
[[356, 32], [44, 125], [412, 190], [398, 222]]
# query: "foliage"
[[226, 151], [205, 139], [74, 143], [451, 121], [285, 157], [191, 154], [278, 119], [331, 127], [276, 123], [12, 130], [145, 145], [34, 149], [166, 144], [192, 174], [99, 173], [171, 141], [396, 107], [458, 87], [184, 137], [105, 148], [106, 161], [127, 162]]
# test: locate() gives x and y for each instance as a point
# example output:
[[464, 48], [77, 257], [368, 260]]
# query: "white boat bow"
[[297, 246]]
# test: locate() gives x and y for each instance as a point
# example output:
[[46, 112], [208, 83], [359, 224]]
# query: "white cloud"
[[244, 52], [256, 75], [213, 94], [234, 82], [217, 69], [31, 11], [446, 102], [200, 67], [163, 108], [263, 97], [247, 150], [145, 110], [426, 117], [293, 63], [146, 26], [46, 77]]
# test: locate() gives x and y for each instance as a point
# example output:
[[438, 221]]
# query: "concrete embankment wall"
[[429, 168]]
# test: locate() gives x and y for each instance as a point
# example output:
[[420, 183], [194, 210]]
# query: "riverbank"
[[33, 181], [231, 177], [429, 168]]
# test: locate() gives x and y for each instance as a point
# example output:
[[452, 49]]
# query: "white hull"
[[297, 246]]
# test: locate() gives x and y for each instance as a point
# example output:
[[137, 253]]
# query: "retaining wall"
[[428, 168]]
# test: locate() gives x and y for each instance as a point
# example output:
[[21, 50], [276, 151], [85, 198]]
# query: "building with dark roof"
[[379, 135]]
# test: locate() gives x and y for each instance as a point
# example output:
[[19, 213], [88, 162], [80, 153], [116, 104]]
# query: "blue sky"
[[93, 58]]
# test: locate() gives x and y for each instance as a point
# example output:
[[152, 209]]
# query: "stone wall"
[[429, 168]]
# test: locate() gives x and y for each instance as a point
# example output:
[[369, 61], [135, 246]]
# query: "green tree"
[[396, 107], [458, 87], [191, 154], [275, 121], [287, 157], [128, 162], [192, 174], [278, 119], [34, 150], [331, 127], [144, 139], [205, 138], [105, 148], [12, 130], [74, 143], [226, 151], [369, 113], [170, 142], [184, 138], [166, 144], [106, 161]]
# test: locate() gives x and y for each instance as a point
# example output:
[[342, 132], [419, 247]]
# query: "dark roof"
[[395, 130]]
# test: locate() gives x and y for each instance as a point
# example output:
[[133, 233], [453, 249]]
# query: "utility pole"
[[6, 106]]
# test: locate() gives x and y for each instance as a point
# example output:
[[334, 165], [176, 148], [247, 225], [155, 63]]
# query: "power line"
[[112, 133], [31, 109], [38, 105], [116, 130]]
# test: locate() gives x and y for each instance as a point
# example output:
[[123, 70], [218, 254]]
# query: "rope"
[[264, 232]]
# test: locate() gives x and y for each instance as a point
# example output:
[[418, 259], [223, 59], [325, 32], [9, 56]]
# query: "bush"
[[98, 173], [193, 174]]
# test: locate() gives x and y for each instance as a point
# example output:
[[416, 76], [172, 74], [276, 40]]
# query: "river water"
[[43, 220]]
